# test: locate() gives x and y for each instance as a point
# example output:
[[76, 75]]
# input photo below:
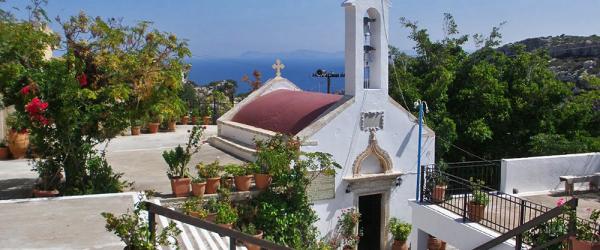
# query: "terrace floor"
[[588, 201], [138, 157]]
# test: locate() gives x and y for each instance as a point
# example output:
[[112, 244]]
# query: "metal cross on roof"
[[278, 66]]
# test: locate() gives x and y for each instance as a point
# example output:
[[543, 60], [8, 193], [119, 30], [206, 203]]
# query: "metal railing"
[[154, 209], [504, 213], [487, 171]]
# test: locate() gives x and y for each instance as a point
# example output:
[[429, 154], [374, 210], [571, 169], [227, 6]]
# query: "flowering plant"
[[74, 103], [347, 227]]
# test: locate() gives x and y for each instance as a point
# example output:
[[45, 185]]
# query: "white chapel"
[[373, 137]]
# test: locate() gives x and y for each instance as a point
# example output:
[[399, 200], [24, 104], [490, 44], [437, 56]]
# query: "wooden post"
[[232, 243], [152, 226], [519, 238]]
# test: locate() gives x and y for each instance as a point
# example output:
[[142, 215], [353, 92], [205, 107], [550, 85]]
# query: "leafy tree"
[[489, 103], [82, 99]]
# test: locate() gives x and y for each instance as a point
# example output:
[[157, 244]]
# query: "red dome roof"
[[285, 111]]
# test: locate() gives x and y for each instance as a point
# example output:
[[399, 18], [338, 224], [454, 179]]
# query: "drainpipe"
[[420, 104]]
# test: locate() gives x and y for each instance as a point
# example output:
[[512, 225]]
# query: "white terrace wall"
[[540, 174]]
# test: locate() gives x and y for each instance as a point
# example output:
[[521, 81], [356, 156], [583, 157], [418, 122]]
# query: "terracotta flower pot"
[[180, 187], [475, 212], [171, 126], [434, 243], [45, 193], [136, 130], [3, 153], [194, 120], [399, 245], [153, 127], [230, 225], [263, 181], [18, 142], [584, 245], [212, 184], [198, 189], [206, 120], [185, 120], [250, 246], [242, 183], [211, 217], [439, 193]]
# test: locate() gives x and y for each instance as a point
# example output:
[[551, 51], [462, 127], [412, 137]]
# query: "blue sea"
[[297, 70]]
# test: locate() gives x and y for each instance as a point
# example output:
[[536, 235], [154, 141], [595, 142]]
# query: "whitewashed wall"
[[343, 138], [437, 221], [538, 174]]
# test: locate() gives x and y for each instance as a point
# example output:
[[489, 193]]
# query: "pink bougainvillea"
[[36, 108], [560, 202]]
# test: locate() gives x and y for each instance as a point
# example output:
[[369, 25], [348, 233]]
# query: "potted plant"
[[192, 206], [476, 207], [438, 194], [587, 236], [251, 229], [133, 230], [198, 186], [177, 160], [18, 136], [242, 176], [195, 115], [136, 127], [226, 215], [347, 228], [433, 243], [210, 172], [153, 126], [185, 119], [400, 231], [3, 150], [262, 178], [206, 114], [211, 206], [49, 181]]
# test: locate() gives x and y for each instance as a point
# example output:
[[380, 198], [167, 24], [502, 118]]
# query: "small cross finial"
[[278, 66]]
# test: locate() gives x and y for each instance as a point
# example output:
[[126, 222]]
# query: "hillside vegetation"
[[494, 103]]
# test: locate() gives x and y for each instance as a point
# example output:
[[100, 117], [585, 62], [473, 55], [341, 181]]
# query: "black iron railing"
[[487, 171], [531, 224], [502, 212], [233, 235]]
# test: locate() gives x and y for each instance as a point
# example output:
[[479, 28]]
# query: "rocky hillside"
[[572, 56]]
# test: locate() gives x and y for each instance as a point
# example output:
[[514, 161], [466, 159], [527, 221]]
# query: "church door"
[[369, 207]]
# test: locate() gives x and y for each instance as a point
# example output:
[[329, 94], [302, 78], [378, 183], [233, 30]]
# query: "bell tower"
[[366, 50]]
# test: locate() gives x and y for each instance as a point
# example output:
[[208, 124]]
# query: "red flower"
[[25, 90], [82, 80], [35, 108]]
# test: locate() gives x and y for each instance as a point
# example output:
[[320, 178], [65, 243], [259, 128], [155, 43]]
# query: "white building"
[[374, 138]]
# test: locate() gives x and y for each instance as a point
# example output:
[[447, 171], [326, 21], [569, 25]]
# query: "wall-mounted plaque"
[[371, 121], [322, 187]]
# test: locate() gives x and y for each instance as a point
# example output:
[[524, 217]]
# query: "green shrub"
[[479, 197], [208, 171], [399, 230], [226, 214], [132, 228]]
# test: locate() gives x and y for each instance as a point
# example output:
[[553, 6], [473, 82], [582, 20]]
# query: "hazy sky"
[[227, 28]]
